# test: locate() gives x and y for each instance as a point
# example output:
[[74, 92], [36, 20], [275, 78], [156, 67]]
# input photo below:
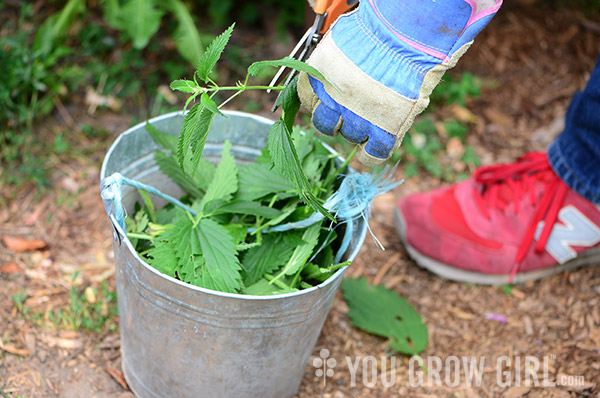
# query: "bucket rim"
[[123, 239]]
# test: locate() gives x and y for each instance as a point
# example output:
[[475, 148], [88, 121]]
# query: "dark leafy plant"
[[226, 245]]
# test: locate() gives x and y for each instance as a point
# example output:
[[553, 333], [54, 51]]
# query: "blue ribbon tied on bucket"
[[353, 199]]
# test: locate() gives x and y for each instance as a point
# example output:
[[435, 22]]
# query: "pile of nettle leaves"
[[226, 246]]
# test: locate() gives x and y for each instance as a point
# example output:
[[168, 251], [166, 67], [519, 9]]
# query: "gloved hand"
[[383, 61]]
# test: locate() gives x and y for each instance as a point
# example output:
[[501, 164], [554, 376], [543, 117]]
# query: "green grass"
[[91, 309]]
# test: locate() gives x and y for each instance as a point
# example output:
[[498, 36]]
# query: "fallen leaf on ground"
[[10, 268], [118, 376], [463, 115], [94, 100], [23, 245], [23, 352], [516, 391], [68, 344]]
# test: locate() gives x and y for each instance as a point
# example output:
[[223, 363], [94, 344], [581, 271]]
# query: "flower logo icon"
[[324, 365]]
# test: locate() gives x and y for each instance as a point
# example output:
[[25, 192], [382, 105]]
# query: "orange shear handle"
[[333, 9]]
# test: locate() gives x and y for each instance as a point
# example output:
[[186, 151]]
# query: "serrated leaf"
[[290, 63], [289, 102], [166, 141], [210, 104], [225, 181], [257, 180], [237, 231], [168, 165], [185, 86], [199, 140], [302, 252], [140, 20], [262, 288], [286, 161], [188, 129], [212, 54], [380, 311], [220, 206], [162, 257], [221, 270], [272, 254], [186, 37]]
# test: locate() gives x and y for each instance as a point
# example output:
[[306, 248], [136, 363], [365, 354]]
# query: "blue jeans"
[[575, 155]]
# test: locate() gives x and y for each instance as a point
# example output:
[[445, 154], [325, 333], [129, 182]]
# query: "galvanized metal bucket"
[[179, 340]]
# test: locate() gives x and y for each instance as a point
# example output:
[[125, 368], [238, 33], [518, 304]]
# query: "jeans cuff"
[[565, 172]]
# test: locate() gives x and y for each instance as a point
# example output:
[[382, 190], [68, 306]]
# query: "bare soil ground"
[[539, 58]]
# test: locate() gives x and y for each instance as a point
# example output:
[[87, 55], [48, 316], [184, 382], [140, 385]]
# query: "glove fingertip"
[[326, 120], [366, 159]]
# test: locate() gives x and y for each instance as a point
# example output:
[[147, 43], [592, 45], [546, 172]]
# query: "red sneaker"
[[508, 223]]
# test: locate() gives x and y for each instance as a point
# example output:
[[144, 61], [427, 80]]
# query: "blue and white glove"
[[383, 60]]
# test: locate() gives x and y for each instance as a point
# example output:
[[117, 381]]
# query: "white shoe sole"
[[589, 257]]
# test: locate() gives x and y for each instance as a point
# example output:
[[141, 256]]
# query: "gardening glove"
[[381, 63]]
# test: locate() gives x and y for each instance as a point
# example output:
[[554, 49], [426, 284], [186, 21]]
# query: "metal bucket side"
[[181, 340]]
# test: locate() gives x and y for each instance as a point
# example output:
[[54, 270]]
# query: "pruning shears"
[[327, 11]]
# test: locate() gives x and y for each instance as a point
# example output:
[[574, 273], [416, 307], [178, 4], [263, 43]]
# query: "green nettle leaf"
[[140, 20], [190, 125], [194, 131], [186, 37], [220, 206], [258, 180], [380, 311], [212, 54], [302, 252], [221, 270], [225, 181], [166, 141], [290, 63], [168, 165], [272, 254], [163, 258], [290, 103], [199, 140], [263, 288], [185, 86], [210, 104], [285, 159]]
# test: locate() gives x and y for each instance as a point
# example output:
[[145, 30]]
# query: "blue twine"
[[353, 199], [112, 195]]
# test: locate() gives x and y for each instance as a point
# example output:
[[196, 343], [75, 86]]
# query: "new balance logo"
[[577, 230]]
